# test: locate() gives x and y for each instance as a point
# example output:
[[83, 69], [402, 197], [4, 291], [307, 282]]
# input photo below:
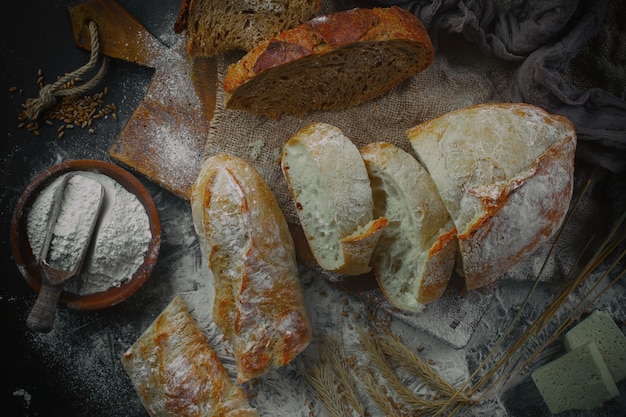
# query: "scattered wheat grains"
[[71, 111]]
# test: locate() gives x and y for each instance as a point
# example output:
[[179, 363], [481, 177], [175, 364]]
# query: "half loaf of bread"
[[505, 173], [331, 191], [175, 372], [329, 63], [258, 298], [415, 255], [214, 26]]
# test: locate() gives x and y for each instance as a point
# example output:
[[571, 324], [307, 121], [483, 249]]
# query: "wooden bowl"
[[27, 262]]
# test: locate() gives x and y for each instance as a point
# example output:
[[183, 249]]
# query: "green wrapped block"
[[611, 342], [578, 380]]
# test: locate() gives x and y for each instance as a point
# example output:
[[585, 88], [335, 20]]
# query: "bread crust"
[[259, 304], [183, 16], [505, 172], [340, 33], [176, 372], [554, 170], [328, 183], [416, 253]]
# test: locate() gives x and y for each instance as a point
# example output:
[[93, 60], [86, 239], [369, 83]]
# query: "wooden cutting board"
[[165, 136]]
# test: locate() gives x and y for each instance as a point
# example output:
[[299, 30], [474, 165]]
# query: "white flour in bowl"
[[79, 208], [120, 240]]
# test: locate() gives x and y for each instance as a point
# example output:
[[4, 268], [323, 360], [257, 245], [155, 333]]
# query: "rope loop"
[[50, 93]]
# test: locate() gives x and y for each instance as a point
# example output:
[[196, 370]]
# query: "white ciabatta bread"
[[331, 62], [415, 255], [175, 372], [258, 304], [505, 173], [214, 26], [333, 198]]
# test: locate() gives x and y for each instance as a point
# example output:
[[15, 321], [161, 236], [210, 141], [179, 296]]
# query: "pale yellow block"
[[600, 327], [578, 380]]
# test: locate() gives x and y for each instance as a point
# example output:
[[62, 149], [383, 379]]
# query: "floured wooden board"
[[165, 140], [165, 137]]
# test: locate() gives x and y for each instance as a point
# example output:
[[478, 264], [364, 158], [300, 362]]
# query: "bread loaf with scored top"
[[330, 62], [505, 174], [176, 372], [258, 304]]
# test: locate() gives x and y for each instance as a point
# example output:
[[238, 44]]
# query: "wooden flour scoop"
[[165, 137]]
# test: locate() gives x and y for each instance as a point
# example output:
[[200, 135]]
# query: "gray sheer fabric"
[[542, 38]]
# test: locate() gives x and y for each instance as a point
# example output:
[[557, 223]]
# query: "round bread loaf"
[[505, 174], [331, 62]]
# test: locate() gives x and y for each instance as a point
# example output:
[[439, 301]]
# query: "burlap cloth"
[[485, 51], [453, 81]]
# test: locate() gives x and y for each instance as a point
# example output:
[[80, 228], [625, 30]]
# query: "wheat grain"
[[332, 351], [71, 110]]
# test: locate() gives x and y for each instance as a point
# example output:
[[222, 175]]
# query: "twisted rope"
[[49, 93]]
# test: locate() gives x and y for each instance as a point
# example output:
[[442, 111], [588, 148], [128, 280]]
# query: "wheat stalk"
[[583, 304], [609, 245], [411, 400], [393, 347], [386, 404], [380, 347], [542, 321], [334, 353], [322, 381]]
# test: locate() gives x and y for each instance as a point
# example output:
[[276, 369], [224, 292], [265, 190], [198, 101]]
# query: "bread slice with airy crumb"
[[333, 198], [415, 255], [331, 62], [214, 26]]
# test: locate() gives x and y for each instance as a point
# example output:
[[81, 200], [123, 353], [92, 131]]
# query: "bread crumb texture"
[[411, 265], [331, 62], [214, 26], [330, 188]]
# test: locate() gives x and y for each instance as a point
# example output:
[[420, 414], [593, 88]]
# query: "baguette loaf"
[[258, 299], [505, 174], [214, 26], [331, 191], [329, 63], [416, 252], [176, 373]]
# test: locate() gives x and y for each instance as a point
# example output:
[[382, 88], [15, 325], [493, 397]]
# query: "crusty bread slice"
[[416, 252], [333, 198], [214, 26], [258, 304], [329, 63], [505, 173], [176, 372]]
